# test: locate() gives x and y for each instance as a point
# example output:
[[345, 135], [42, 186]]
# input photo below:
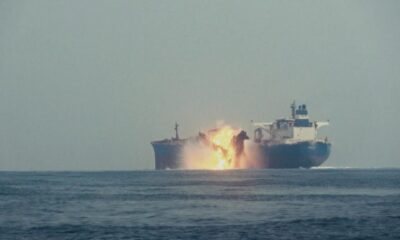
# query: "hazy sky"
[[86, 85]]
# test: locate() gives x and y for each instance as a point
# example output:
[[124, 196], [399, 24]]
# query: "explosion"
[[223, 153], [219, 149]]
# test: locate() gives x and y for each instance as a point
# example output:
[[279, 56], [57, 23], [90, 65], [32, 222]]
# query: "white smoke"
[[195, 155], [251, 157]]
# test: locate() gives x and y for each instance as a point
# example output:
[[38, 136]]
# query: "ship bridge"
[[295, 129]]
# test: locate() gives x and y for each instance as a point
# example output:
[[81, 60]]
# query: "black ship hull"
[[305, 154], [168, 155], [297, 155]]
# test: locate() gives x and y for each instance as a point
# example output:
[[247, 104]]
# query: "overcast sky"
[[86, 85]]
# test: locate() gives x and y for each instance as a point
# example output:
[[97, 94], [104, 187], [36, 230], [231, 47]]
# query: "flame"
[[223, 153], [217, 154]]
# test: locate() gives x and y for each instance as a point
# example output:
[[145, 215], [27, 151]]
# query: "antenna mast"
[[176, 131], [293, 107]]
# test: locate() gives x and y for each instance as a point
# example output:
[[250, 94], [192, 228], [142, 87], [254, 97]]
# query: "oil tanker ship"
[[291, 142], [284, 143]]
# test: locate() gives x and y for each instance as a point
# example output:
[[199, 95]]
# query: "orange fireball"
[[218, 149], [223, 153]]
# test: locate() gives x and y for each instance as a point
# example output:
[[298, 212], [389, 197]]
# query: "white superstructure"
[[298, 128]]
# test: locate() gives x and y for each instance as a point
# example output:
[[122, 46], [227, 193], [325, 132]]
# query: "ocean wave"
[[322, 228]]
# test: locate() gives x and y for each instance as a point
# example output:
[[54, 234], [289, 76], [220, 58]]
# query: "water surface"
[[239, 204]]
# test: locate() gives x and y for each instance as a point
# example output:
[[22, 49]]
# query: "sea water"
[[234, 204]]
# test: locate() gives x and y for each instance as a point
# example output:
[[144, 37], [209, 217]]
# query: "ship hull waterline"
[[305, 154]]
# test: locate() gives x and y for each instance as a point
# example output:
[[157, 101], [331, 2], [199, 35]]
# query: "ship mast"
[[176, 131], [293, 107]]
